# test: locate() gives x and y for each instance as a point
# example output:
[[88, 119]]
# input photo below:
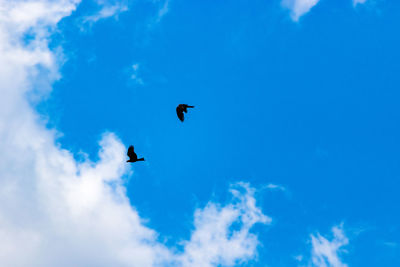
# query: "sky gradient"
[[289, 158]]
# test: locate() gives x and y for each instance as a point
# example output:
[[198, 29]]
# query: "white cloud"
[[325, 253], [275, 187], [135, 74], [108, 8], [213, 242], [356, 2], [163, 10], [298, 258], [56, 211], [299, 7]]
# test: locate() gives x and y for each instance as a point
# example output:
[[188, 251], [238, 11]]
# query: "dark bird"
[[180, 109], [132, 155]]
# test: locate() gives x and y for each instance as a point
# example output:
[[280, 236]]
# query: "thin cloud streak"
[[275, 187], [356, 2], [298, 8], [108, 9]]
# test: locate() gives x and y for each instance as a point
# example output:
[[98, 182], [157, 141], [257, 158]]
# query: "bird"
[[132, 155], [180, 109]]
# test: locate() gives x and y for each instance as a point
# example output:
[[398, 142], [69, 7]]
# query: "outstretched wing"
[[185, 107], [179, 112], [131, 152]]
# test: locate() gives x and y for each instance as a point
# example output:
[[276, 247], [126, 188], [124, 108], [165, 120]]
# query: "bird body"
[[132, 155], [180, 109]]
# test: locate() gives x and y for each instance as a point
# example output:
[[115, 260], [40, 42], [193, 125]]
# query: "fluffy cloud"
[[60, 212], [325, 252], [299, 7], [213, 242]]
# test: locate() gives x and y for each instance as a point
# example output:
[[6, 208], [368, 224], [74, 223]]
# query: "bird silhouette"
[[132, 155], [180, 109]]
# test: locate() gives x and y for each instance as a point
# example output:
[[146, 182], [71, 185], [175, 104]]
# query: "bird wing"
[[131, 152], [185, 107], [179, 112]]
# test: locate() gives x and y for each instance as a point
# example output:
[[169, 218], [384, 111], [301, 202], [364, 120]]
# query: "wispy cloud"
[[299, 7], [298, 258], [390, 244], [356, 2], [135, 74], [275, 187], [163, 10], [325, 253], [107, 9]]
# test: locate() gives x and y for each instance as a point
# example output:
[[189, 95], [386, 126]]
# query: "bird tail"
[[141, 159], [190, 106]]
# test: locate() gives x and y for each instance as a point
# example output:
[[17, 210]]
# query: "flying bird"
[[180, 109], [132, 155]]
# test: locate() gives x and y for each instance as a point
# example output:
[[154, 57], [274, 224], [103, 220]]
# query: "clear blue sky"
[[310, 105]]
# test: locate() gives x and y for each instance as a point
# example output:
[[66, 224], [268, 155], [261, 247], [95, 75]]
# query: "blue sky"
[[311, 106], [298, 99]]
